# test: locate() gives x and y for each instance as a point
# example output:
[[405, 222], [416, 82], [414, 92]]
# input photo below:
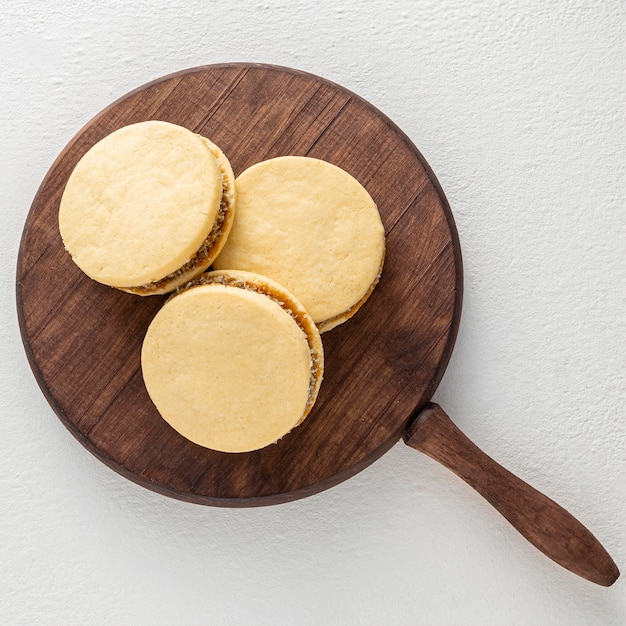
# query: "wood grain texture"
[[83, 339], [547, 525]]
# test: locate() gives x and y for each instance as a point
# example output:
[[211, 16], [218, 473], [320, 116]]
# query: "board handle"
[[548, 526]]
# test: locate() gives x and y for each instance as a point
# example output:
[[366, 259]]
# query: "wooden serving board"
[[83, 339]]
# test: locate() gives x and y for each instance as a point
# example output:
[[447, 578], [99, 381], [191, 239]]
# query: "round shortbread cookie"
[[140, 204], [313, 228], [233, 362]]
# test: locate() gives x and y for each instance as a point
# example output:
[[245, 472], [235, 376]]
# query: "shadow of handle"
[[548, 526]]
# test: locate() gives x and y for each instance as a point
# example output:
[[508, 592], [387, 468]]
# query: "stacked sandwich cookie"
[[312, 227], [233, 361], [148, 207]]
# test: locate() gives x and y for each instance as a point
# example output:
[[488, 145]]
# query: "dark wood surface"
[[83, 339], [547, 525]]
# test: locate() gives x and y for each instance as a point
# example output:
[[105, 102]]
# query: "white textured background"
[[519, 108]]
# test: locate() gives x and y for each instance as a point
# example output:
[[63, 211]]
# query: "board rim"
[[323, 484]]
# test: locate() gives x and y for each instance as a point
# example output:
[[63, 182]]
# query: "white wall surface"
[[519, 108]]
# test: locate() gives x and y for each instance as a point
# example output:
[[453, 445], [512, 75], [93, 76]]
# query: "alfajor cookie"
[[148, 207], [313, 228], [232, 361]]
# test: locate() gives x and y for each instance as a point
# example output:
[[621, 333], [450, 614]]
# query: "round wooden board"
[[83, 339]]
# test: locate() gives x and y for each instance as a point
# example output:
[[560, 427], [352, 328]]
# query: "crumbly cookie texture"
[[313, 228]]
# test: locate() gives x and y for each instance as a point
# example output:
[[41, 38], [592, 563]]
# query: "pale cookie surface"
[[213, 243], [140, 203], [227, 368], [311, 227]]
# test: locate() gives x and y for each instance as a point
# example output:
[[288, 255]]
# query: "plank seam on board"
[[222, 97], [52, 312], [419, 191], [328, 125]]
